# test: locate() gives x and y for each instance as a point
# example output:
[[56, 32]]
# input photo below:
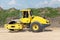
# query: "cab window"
[[25, 14]]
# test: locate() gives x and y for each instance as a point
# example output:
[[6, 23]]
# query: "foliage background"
[[43, 12]]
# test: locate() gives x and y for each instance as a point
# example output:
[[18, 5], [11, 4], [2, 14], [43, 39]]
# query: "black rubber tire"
[[11, 29], [14, 30], [40, 29]]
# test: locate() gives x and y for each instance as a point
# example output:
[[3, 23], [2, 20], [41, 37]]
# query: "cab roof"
[[25, 10]]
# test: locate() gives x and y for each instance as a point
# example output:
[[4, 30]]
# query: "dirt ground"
[[48, 34]]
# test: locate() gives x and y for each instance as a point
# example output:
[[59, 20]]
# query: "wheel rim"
[[35, 27]]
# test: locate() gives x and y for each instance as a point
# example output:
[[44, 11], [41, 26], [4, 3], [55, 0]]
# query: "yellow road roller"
[[27, 20]]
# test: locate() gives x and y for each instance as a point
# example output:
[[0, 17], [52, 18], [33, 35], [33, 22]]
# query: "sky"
[[21, 4]]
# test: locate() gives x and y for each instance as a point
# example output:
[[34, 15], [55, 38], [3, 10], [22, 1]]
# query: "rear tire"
[[36, 27]]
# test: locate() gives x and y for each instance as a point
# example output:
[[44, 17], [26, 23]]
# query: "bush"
[[5, 14]]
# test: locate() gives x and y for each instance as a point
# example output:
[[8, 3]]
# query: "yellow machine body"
[[31, 19], [13, 26], [27, 18]]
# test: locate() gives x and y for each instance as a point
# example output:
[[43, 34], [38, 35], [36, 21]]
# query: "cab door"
[[25, 18]]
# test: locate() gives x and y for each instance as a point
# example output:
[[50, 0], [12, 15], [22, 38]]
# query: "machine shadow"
[[48, 30], [17, 31]]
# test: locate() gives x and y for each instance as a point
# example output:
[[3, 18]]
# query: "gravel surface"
[[48, 34]]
